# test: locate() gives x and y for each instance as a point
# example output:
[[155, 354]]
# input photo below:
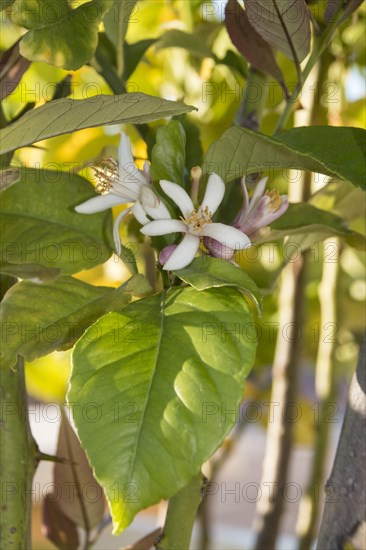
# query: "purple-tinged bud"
[[216, 249], [263, 208], [165, 254]]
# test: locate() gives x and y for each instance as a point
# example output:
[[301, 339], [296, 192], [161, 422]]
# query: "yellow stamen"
[[198, 219], [106, 174], [275, 200]]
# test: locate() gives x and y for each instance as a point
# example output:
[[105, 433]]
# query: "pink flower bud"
[[217, 249], [165, 254]]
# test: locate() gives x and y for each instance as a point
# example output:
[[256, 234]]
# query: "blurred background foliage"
[[192, 58]]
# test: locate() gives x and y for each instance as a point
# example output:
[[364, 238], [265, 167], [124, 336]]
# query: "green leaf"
[[133, 54], [38, 318], [168, 154], [342, 199], [285, 25], [308, 221], [25, 271], [192, 42], [161, 374], [9, 176], [40, 229], [205, 272], [106, 64], [235, 61], [335, 151], [249, 42], [194, 151], [68, 115], [57, 34]]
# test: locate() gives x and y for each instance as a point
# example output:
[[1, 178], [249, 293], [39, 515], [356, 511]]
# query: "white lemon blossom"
[[195, 223], [121, 183]]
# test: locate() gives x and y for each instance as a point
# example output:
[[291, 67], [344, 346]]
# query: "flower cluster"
[[123, 183]]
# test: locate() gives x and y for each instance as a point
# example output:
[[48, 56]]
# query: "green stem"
[[181, 514], [120, 55], [18, 461]]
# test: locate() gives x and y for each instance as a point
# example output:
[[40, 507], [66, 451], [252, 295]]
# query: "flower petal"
[[163, 227], [124, 150], [241, 215], [160, 212], [257, 193], [215, 191], [262, 215], [148, 197], [179, 196], [116, 235], [139, 213], [183, 254], [146, 170], [227, 235], [245, 194], [100, 203], [130, 180]]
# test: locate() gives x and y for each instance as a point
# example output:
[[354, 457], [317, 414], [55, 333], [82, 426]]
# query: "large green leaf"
[[205, 272], [334, 151], [68, 115], [38, 318], [58, 34], [283, 24], [165, 376], [40, 229], [168, 154]]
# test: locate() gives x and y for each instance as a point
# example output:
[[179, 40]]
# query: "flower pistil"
[[197, 220]]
